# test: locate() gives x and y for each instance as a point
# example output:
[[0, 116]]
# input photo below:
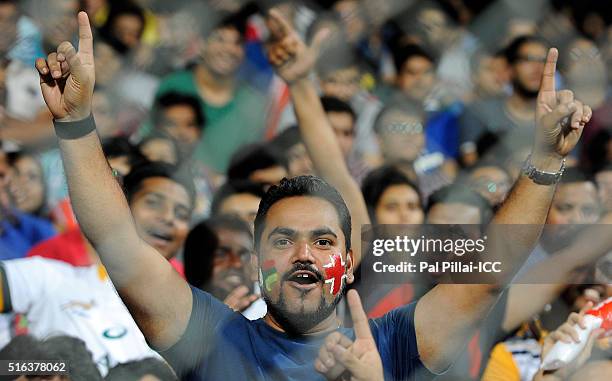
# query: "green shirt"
[[228, 127]]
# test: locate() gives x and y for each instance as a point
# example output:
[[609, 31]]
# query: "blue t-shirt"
[[220, 344], [17, 239]]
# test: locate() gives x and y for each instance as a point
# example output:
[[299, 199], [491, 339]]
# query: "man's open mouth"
[[160, 236], [304, 279]]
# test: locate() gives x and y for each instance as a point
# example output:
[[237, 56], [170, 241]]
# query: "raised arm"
[[448, 315], [159, 300], [294, 61]]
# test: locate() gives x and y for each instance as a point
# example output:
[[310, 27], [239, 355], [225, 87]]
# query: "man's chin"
[[298, 311]]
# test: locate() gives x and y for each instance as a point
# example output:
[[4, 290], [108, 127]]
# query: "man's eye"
[[152, 202], [391, 207], [323, 242], [182, 214], [564, 208], [283, 242]]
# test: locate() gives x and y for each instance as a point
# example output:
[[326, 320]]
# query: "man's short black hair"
[[135, 370], [229, 222], [236, 20], [308, 186], [605, 168], [200, 246], [132, 182], [403, 53], [286, 139], [173, 98], [253, 157], [117, 9], [232, 187], [118, 146], [461, 194], [121, 146], [378, 180], [23, 347], [512, 50], [198, 254], [74, 353], [333, 104], [70, 350]]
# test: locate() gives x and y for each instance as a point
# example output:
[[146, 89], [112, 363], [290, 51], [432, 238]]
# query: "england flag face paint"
[[335, 273]]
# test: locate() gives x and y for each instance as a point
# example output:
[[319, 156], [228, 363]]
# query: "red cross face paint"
[[335, 273]]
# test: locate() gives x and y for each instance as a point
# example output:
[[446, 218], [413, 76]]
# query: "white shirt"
[[58, 298], [24, 99]]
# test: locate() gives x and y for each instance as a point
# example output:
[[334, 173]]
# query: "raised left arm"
[[448, 315]]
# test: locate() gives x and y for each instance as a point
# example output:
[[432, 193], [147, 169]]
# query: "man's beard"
[[522, 91], [300, 322]]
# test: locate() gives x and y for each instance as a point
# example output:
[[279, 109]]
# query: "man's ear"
[[350, 262]]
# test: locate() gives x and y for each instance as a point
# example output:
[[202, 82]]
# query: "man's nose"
[[234, 260], [577, 216], [303, 253], [166, 215]]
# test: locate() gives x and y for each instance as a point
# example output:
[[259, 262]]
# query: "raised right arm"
[[158, 299], [315, 128]]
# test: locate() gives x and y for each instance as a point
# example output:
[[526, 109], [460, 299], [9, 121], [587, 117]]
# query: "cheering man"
[[302, 238]]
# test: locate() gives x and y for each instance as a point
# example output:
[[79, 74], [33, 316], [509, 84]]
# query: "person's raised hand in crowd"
[[291, 57], [240, 298], [560, 119], [343, 359], [567, 333], [67, 76]]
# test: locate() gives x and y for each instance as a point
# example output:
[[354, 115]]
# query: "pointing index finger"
[[85, 36], [360, 320], [550, 67]]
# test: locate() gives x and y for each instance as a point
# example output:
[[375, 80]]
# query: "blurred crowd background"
[[432, 103]]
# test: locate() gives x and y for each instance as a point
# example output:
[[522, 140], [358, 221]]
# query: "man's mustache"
[[303, 267]]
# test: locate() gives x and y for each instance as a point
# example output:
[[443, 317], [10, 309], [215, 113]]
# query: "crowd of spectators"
[[432, 105]]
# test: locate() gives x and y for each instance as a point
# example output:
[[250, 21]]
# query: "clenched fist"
[[290, 56]]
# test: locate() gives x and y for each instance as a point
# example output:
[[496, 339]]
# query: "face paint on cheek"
[[335, 273], [268, 274]]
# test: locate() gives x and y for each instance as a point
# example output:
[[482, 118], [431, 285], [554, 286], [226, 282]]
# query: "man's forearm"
[[326, 155], [319, 138], [528, 202], [98, 201]]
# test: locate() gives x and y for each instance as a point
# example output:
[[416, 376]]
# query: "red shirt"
[[70, 247]]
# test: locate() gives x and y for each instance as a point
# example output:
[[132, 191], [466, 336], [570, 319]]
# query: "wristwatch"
[[542, 177]]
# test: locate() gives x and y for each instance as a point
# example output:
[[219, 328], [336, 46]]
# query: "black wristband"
[[74, 130]]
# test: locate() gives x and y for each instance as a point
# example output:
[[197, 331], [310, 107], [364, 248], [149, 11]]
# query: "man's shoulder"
[[400, 314]]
